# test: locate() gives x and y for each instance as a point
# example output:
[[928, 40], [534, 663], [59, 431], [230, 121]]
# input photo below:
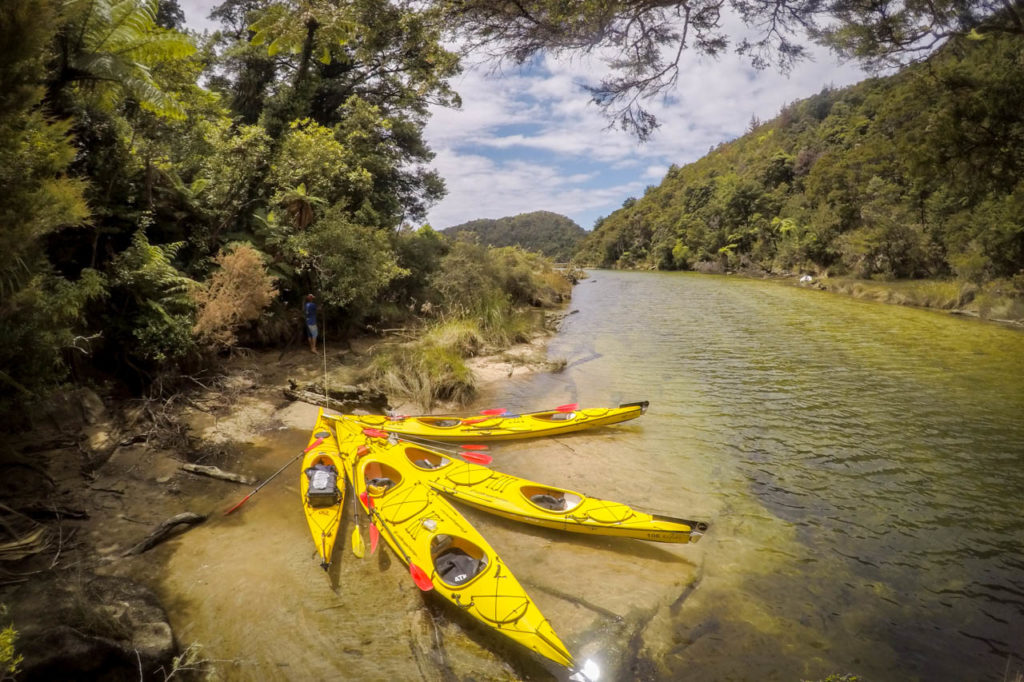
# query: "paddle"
[[257, 488], [476, 420], [419, 576], [567, 408], [357, 539], [358, 548], [466, 451], [496, 410], [476, 458]]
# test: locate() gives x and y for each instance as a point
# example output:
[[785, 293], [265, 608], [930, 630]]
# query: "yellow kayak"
[[443, 551], [495, 427], [322, 496], [536, 503]]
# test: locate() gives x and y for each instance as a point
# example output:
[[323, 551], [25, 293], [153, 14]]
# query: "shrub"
[[236, 294], [9, 660]]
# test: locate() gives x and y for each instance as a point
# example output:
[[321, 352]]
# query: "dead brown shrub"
[[235, 295]]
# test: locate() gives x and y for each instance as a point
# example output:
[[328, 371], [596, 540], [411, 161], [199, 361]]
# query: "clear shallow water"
[[862, 466]]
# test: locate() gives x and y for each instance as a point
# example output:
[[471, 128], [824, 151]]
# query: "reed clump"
[[484, 301], [422, 372], [1001, 299]]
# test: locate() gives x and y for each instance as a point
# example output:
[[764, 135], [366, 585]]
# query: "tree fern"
[[109, 47]]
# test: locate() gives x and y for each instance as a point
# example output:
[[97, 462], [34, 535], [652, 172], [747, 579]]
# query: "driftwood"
[[164, 530], [214, 472], [20, 536], [341, 398]]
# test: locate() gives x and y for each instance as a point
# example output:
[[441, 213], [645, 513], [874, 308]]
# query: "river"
[[861, 466]]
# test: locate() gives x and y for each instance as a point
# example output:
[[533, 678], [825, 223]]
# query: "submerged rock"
[[76, 626]]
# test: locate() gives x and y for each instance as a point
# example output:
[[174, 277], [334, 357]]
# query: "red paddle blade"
[[471, 446], [374, 537], [314, 444], [567, 408], [375, 433], [496, 410], [238, 505], [367, 502], [475, 420], [420, 577], [477, 458]]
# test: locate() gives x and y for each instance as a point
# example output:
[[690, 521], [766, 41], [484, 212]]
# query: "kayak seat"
[[379, 486], [562, 416], [456, 567], [445, 423], [549, 502]]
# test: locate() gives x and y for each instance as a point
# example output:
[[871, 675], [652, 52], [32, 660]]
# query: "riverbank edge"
[[994, 302]]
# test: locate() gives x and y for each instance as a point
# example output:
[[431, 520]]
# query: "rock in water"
[[90, 627]]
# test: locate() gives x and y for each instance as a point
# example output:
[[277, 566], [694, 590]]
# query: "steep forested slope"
[[551, 234], [918, 174]]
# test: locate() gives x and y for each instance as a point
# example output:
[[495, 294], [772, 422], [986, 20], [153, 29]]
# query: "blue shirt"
[[310, 309]]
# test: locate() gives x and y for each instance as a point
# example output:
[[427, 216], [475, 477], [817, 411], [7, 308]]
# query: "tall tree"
[[40, 311]]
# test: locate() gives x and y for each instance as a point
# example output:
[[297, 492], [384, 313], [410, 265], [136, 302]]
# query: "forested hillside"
[[548, 233], [166, 198], [914, 175]]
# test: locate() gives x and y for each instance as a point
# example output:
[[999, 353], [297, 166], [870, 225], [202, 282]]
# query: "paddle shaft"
[[474, 457], [414, 569], [357, 539], [274, 475]]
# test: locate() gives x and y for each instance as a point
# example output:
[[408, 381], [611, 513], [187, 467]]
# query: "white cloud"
[[482, 187], [656, 171], [544, 113], [196, 13]]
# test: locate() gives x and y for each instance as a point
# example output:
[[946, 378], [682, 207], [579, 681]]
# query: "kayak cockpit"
[[440, 422], [551, 499], [380, 478], [425, 459], [456, 560], [554, 416]]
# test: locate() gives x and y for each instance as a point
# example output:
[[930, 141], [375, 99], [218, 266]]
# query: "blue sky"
[[528, 139]]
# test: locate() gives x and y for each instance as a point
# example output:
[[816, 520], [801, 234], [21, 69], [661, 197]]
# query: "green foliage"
[[349, 263], [152, 190], [152, 302], [106, 49], [9, 658], [40, 309], [915, 175], [548, 233]]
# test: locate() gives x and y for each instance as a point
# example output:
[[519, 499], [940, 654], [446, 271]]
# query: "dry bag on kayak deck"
[[323, 485]]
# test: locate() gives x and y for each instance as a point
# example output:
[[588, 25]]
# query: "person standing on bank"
[[310, 311]]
